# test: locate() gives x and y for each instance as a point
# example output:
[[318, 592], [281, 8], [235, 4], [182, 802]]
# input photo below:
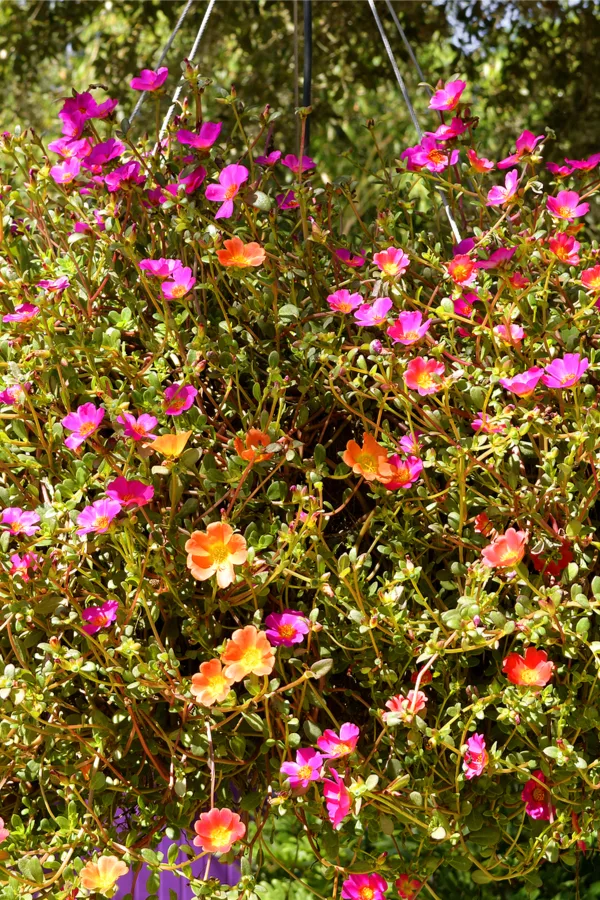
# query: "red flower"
[[531, 670]]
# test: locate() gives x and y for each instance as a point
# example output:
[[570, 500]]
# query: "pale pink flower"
[[392, 262], [567, 205], [423, 375], [476, 757], [337, 799], [343, 301], [205, 138], [565, 372], [231, 179], [368, 314], [448, 97], [139, 429], [523, 385], [82, 423], [97, 518], [409, 328], [405, 708], [510, 334], [149, 79], [525, 144], [500, 196]]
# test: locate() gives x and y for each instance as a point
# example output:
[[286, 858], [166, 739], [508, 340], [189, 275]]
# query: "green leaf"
[[321, 667]]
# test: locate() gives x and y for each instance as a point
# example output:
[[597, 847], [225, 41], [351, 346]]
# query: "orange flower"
[[248, 652], [210, 685], [370, 460], [254, 439], [216, 551], [101, 876], [532, 670], [218, 830], [171, 445], [241, 255]]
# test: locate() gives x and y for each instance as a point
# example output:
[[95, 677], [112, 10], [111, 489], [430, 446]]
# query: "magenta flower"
[[67, 171], [584, 165], [499, 196], [423, 375], [336, 745], [567, 205], [69, 148], [392, 262], [20, 565], [476, 758], [510, 334], [271, 159], [448, 97], [130, 493], [98, 617], [102, 154], [23, 313], [149, 79], [565, 372], [337, 799], [451, 131], [293, 163], [523, 385], [287, 628], [82, 423], [559, 171], [20, 521], [479, 163], [354, 261], [97, 518], [139, 429], [565, 247], [410, 443], [206, 137], [127, 174], [486, 424], [497, 258], [230, 181], [364, 887], [525, 144], [72, 124], [408, 328], [463, 306], [55, 284], [429, 154], [85, 106], [343, 301], [463, 247], [405, 472], [15, 394], [178, 398], [190, 182], [307, 768], [161, 268], [537, 798], [181, 283], [368, 315], [287, 201]]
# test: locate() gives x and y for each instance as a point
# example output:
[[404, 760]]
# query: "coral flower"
[[370, 460], [20, 521], [565, 372], [23, 313], [532, 670], [307, 768], [130, 492], [295, 165], [537, 798], [368, 314], [353, 260], [392, 262], [337, 799], [82, 423], [506, 550], [590, 278], [218, 830], [287, 628], [208, 134], [241, 255], [251, 449], [215, 552], [462, 270], [149, 79], [335, 745], [567, 205], [139, 429], [476, 757], [525, 145], [499, 196], [405, 707], [405, 472], [551, 565], [248, 652], [408, 887], [67, 171], [409, 328], [171, 445], [180, 284], [523, 385], [364, 887], [210, 685], [178, 399], [97, 518], [20, 565], [101, 876], [479, 163], [231, 179], [510, 334], [448, 97], [421, 374], [98, 617], [4, 832], [161, 268], [343, 301]]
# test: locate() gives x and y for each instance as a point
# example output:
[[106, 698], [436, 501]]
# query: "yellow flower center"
[[366, 893], [390, 268], [342, 748], [178, 290], [304, 772], [217, 683], [220, 835], [528, 676], [87, 428], [367, 462], [565, 211], [102, 522], [219, 553], [437, 156], [238, 259], [231, 191], [424, 379], [287, 631], [461, 271], [251, 657]]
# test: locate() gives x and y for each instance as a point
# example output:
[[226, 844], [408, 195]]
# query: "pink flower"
[[23, 313], [537, 798], [161, 268], [287, 201], [584, 165], [20, 565], [565, 247], [423, 374], [497, 258], [78, 109], [590, 278], [149, 80], [293, 163], [97, 518], [410, 443], [523, 385], [567, 205], [139, 429], [336, 745], [67, 171], [364, 887], [15, 394], [20, 521], [354, 261], [392, 262], [510, 334], [462, 270], [479, 163], [231, 179], [337, 799], [4, 832], [525, 144], [499, 196], [130, 493], [518, 280], [102, 154], [448, 97], [405, 472], [565, 372], [56, 284], [287, 628], [485, 424], [82, 423], [463, 306], [98, 617], [506, 550], [368, 315], [451, 131], [408, 328], [190, 182], [206, 137], [476, 758], [178, 399], [430, 154], [559, 171], [68, 148], [343, 301], [405, 708], [127, 174], [270, 160], [181, 283], [307, 768]]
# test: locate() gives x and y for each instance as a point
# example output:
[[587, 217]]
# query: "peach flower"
[[218, 830], [506, 550], [215, 552], [171, 445], [370, 460], [210, 685], [101, 876], [248, 652], [241, 255]]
